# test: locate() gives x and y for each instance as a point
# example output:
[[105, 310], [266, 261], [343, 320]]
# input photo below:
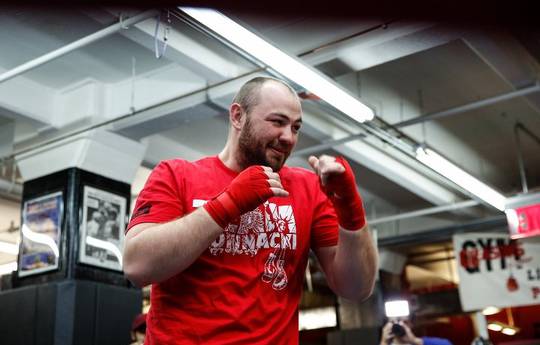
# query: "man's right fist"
[[252, 187]]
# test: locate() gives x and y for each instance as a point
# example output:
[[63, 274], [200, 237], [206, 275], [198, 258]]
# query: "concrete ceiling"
[[176, 105]]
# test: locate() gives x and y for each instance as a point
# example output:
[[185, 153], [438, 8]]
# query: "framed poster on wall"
[[40, 234], [102, 228]]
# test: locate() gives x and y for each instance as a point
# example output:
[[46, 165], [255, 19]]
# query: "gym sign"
[[495, 270]]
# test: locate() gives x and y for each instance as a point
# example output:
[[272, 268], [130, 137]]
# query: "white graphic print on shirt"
[[269, 226]]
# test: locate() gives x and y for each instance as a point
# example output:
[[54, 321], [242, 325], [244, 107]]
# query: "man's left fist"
[[338, 182]]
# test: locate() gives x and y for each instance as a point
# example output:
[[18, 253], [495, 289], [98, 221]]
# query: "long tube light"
[[290, 67], [460, 177]]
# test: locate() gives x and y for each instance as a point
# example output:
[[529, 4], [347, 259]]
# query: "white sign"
[[102, 229], [496, 271], [41, 233]]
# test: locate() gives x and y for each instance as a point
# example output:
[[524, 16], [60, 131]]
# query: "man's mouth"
[[281, 151]]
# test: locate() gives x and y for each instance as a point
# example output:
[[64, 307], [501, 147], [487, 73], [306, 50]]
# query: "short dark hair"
[[248, 95]]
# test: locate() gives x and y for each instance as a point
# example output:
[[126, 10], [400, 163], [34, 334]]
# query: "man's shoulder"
[[177, 168], [175, 163]]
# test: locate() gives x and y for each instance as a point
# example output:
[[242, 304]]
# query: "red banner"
[[524, 221]]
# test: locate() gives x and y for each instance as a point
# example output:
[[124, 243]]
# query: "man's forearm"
[[355, 264], [163, 250]]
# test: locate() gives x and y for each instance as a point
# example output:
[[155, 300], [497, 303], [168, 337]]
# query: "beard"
[[254, 151]]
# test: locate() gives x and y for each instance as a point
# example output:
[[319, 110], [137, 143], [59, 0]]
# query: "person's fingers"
[[314, 162], [324, 166], [274, 181], [328, 165], [338, 168], [279, 192], [273, 176], [317, 166], [275, 184], [326, 157], [326, 160]]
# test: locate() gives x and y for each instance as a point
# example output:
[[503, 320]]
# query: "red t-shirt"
[[245, 288]]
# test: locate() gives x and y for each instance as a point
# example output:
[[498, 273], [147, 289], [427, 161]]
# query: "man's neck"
[[230, 160]]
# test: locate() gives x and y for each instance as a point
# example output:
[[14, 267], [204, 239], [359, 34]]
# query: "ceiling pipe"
[[122, 24], [348, 38], [424, 212], [470, 106]]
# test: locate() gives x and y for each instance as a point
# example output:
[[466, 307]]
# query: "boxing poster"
[[495, 270], [40, 234], [102, 229]]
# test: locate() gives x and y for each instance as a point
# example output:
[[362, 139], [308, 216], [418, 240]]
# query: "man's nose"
[[287, 135]]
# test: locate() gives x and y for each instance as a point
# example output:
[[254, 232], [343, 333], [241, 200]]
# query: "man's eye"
[[277, 122], [296, 129]]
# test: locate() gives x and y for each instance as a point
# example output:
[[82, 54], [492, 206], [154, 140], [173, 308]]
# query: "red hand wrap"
[[247, 191], [341, 189]]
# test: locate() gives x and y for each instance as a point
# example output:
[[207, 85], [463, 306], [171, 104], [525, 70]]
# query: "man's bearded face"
[[257, 148]]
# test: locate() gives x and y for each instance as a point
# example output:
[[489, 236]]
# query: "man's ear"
[[236, 116]]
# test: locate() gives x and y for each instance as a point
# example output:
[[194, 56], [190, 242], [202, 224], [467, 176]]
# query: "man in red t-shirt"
[[224, 241]]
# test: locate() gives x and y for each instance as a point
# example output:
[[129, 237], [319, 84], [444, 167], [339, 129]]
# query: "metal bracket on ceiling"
[[161, 51], [122, 22]]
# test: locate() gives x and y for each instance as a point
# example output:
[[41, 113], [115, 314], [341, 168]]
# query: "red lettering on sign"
[[535, 291]]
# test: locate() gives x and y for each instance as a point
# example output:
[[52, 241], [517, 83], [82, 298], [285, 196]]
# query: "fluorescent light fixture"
[[43, 239], [9, 248], [96, 242], [398, 308], [8, 268], [495, 326], [461, 178], [490, 310], [286, 65], [509, 330], [317, 318]]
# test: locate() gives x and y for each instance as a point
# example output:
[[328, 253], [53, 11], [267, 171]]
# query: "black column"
[[68, 312], [76, 300]]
